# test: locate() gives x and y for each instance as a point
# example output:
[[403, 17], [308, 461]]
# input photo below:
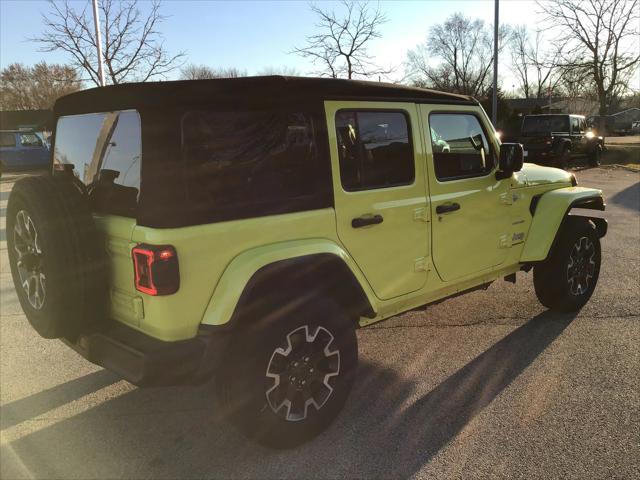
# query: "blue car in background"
[[22, 150]]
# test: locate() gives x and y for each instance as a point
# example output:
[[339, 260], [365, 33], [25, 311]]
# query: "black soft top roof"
[[235, 92]]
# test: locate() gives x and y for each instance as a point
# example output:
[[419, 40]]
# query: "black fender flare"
[[315, 274]]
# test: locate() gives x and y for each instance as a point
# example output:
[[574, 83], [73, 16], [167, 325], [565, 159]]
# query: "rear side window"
[[545, 124], [460, 146], [7, 140], [375, 149], [105, 150], [251, 163]]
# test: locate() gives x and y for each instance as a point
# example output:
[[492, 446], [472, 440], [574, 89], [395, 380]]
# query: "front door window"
[[470, 221]]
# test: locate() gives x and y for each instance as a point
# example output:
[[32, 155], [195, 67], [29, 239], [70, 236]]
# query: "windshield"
[[545, 124]]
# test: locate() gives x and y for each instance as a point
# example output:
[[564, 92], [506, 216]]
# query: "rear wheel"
[[54, 255], [289, 374], [567, 279]]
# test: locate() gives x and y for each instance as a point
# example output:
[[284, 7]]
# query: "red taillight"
[[156, 269]]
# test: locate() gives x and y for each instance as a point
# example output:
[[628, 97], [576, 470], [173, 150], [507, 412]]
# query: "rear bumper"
[[146, 361]]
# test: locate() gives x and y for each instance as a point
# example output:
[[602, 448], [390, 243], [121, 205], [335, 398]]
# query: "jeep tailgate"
[[126, 304]]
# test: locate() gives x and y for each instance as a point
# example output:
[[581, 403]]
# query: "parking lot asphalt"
[[488, 385]]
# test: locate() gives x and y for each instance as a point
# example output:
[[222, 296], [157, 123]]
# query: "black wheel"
[[289, 374], [596, 156], [563, 159], [54, 255], [567, 279]]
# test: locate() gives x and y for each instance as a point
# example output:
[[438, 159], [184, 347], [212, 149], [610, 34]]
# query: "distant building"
[[578, 106], [622, 121], [529, 106]]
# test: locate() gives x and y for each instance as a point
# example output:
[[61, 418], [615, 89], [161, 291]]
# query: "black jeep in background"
[[554, 140]]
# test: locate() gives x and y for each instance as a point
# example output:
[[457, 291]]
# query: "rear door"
[[471, 224], [105, 150], [380, 197]]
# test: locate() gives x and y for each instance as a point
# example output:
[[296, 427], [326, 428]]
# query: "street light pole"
[[96, 22], [494, 100]]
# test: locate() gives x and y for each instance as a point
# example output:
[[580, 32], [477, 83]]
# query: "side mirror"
[[511, 159]]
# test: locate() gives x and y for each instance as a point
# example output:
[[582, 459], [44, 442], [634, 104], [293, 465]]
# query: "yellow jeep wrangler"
[[245, 228]]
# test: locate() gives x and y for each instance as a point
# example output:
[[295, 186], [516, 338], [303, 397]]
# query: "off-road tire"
[[596, 156], [555, 279], [563, 159], [247, 391], [52, 241]]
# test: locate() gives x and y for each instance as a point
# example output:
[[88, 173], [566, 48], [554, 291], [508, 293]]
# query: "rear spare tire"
[[56, 256]]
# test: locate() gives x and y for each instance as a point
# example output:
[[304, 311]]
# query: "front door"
[[379, 190], [471, 220]]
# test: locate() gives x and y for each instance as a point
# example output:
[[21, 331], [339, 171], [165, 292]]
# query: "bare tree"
[[464, 49], [577, 88], [203, 72], [537, 70], [133, 47], [37, 87], [520, 48], [603, 38], [341, 46], [281, 70]]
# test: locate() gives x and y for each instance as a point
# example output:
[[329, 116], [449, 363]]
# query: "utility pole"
[[96, 22], [494, 100]]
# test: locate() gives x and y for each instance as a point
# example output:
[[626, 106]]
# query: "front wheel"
[[289, 373], [596, 156], [563, 159], [567, 279]]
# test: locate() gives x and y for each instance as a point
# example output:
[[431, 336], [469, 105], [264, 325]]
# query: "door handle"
[[447, 207], [360, 222]]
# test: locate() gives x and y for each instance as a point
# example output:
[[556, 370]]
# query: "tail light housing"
[[156, 269]]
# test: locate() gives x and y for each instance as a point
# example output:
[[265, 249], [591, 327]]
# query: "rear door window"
[[251, 163], [374, 149], [105, 150], [460, 146]]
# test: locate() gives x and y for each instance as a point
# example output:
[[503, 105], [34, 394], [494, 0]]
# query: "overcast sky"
[[251, 35]]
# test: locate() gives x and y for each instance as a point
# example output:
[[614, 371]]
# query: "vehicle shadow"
[[35, 405], [628, 198], [384, 432]]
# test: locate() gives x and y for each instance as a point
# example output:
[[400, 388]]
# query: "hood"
[[532, 174]]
